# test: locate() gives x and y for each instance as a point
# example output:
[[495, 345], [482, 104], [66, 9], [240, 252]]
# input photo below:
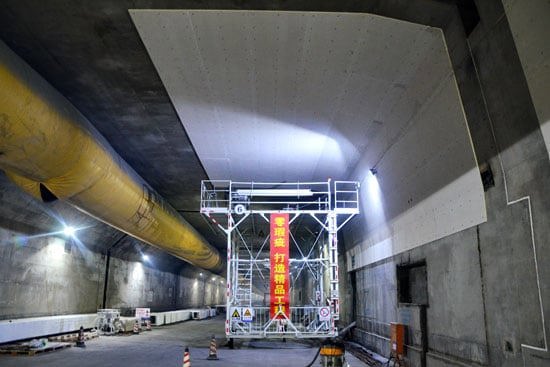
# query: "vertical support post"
[[333, 264], [228, 293], [106, 280], [321, 301], [107, 265], [329, 196], [236, 282], [250, 284]]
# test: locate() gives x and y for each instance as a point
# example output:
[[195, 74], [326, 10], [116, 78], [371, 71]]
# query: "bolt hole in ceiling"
[[304, 96]]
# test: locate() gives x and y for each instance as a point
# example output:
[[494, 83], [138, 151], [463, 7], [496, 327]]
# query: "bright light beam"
[[69, 231], [372, 201]]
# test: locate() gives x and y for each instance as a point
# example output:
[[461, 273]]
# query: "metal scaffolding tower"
[[316, 212]]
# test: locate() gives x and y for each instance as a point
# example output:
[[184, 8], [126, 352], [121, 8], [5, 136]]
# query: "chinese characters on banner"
[[280, 298]]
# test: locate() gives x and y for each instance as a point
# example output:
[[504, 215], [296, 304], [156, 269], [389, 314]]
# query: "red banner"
[[280, 280]]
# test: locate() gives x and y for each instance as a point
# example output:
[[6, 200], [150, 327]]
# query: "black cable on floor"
[[314, 358]]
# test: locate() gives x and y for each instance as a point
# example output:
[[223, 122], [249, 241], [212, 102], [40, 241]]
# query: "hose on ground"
[[314, 358]]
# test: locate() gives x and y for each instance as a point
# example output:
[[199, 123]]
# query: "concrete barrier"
[[171, 317], [200, 313], [34, 327], [157, 318]]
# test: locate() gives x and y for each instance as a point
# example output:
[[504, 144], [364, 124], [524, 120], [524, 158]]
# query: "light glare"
[[69, 231], [57, 248]]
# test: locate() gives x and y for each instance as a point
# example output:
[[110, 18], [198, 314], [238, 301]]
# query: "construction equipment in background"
[[333, 354], [108, 321], [333, 350]]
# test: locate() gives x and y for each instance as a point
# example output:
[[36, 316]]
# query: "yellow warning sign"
[[248, 314], [236, 314]]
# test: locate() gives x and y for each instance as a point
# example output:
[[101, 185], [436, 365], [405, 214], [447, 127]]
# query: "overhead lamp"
[[275, 192], [374, 171], [213, 278], [200, 274], [145, 257], [69, 231]]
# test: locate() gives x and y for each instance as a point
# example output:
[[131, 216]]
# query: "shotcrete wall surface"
[[40, 276]]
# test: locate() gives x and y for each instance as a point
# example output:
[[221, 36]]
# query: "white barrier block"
[[28, 328]]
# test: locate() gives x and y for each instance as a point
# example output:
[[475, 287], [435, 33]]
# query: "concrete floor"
[[164, 347]]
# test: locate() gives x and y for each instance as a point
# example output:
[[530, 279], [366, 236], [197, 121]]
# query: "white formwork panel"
[[158, 318], [27, 328], [183, 315], [295, 61], [175, 317], [212, 312], [169, 317], [186, 315], [200, 313]]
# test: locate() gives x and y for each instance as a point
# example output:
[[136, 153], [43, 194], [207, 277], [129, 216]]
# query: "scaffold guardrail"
[[316, 212]]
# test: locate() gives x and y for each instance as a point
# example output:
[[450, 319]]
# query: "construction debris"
[[73, 337], [26, 349]]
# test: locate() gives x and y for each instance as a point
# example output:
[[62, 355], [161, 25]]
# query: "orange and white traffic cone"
[[186, 358], [80, 341], [213, 353], [148, 324], [136, 327]]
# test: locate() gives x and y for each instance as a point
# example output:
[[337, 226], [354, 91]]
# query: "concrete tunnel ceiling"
[[394, 70], [288, 96], [356, 103]]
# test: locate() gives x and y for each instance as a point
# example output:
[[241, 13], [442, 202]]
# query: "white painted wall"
[[428, 184], [287, 96]]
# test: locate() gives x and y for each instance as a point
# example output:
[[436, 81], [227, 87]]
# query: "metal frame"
[[229, 204]]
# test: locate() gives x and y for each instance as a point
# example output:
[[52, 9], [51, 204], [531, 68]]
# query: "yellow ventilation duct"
[[51, 151]]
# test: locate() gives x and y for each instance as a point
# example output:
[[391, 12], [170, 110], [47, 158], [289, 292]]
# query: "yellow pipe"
[[30, 186], [45, 140]]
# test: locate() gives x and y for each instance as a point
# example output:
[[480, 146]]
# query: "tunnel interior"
[[148, 148]]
